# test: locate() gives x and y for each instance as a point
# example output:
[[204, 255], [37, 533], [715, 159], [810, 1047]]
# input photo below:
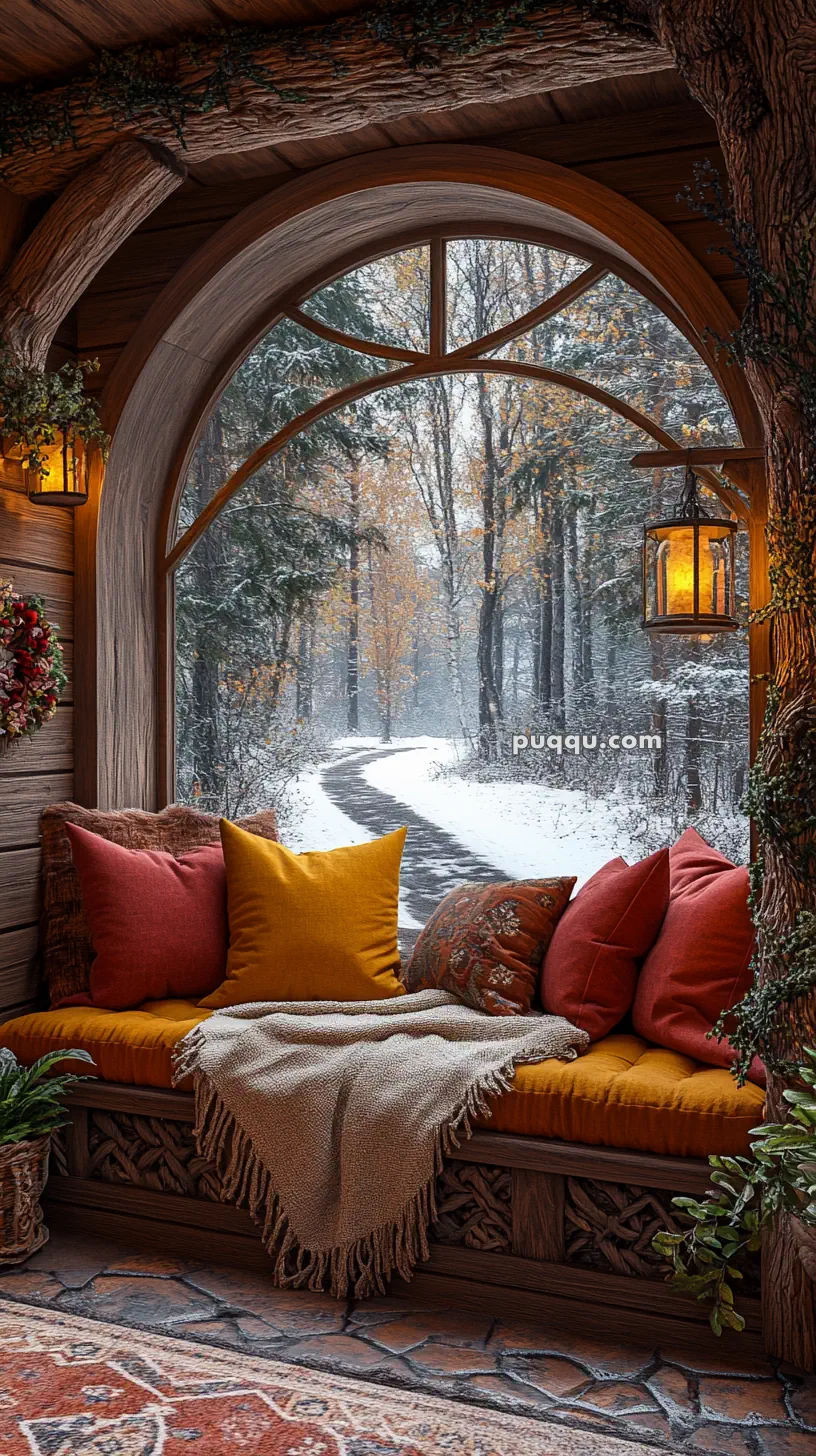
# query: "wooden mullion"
[[349, 341], [555, 304], [439, 296]]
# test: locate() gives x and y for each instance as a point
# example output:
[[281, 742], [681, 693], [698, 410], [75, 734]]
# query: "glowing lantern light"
[[688, 570], [64, 482]]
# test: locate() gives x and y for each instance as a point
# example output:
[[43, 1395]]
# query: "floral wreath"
[[31, 672]]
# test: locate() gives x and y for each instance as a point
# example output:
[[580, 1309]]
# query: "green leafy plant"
[[36, 406], [30, 1099], [779, 1175]]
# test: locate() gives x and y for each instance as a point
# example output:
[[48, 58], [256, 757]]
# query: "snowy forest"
[[456, 558]]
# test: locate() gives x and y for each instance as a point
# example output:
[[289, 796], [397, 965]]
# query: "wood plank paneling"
[[635, 134], [566, 1312], [49, 751], [570, 1281], [18, 946], [35, 535], [19, 887], [36, 554], [19, 970], [22, 801], [19, 983], [56, 589]]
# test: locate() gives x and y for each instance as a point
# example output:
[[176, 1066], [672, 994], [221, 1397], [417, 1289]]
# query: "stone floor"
[[731, 1404]]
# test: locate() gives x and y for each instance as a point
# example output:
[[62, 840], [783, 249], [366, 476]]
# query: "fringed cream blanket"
[[329, 1120]]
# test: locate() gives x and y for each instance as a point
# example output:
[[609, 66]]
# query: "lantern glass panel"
[[64, 481], [688, 574]]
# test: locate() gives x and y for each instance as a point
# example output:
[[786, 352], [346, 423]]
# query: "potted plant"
[[31, 1107], [727, 1227]]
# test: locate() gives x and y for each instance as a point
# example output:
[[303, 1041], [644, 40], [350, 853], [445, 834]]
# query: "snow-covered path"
[[459, 829], [434, 861]]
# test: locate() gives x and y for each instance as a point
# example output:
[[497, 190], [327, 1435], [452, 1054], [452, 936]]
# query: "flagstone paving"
[[723, 1405]]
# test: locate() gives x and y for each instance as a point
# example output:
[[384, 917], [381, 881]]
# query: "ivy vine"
[[203, 72], [36, 406], [777, 333]]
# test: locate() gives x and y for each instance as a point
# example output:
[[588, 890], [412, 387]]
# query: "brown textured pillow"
[[65, 940], [485, 943]]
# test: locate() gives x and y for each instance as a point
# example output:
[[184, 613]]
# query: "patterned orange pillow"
[[485, 943]]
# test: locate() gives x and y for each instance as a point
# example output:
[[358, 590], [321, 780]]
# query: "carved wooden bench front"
[[549, 1230]]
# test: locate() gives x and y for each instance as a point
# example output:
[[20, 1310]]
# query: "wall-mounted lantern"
[[688, 570], [64, 482]]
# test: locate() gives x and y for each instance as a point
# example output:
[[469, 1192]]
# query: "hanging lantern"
[[688, 570], [64, 481]]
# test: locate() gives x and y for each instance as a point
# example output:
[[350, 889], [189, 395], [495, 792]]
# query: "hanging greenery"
[[37, 406], [726, 1228], [203, 72]]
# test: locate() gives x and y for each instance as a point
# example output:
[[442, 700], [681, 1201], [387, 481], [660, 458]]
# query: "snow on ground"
[[526, 830], [312, 821]]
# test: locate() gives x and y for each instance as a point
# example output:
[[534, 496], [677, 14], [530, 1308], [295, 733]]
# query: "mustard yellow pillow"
[[320, 926]]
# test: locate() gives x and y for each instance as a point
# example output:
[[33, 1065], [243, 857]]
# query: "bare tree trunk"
[[490, 712], [694, 729], [587, 663], [543, 585], [205, 565], [438, 498], [576, 615], [304, 689], [557, 676], [660, 760], [353, 619]]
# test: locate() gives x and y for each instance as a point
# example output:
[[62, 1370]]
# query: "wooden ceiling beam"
[[78, 233], [344, 78]]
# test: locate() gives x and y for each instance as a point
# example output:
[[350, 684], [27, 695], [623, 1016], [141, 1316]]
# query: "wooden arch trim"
[[433, 367], [212, 313], [521, 197]]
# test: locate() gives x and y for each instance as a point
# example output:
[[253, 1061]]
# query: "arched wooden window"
[[525, 328]]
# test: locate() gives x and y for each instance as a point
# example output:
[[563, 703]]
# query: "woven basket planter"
[[23, 1171]]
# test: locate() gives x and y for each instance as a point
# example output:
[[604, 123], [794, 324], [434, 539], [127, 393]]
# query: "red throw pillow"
[[485, 943], [590, 971], [158, 922], [700, 963]]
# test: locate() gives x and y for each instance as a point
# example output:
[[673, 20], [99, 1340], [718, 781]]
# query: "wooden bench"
[[553, 1231]]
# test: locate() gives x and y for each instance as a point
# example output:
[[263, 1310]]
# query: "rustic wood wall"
[[37, 555]]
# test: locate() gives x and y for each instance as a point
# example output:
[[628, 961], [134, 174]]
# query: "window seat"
[[621, 1093]]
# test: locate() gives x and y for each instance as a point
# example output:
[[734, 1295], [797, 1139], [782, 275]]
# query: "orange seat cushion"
[[624, 1093], [127, 1046], [621, 1093]]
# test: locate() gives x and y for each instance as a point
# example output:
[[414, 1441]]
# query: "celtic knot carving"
[[474, 1207], [611, 1226], [149, 1152]]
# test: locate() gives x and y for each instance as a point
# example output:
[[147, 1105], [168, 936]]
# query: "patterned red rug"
[[77, 1387]]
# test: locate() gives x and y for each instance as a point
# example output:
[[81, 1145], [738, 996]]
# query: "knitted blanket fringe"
[[365, 1265]]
